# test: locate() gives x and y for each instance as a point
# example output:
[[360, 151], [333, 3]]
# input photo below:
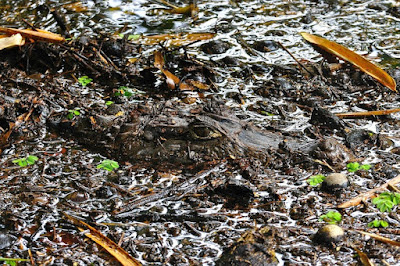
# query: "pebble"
[[335, 181], [329, 234]]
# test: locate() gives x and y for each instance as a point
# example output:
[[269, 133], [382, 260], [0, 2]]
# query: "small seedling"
[[11, 261], [386, 201], [29, 160], [72, 113], [108, 103], [124, 91], [266, 113], [84, 81], [354, 167], [108, 165], [315, 180], [331, 217], [378, 223]]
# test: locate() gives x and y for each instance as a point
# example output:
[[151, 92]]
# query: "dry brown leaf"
[[190, 10], [350, 56], [364, 258], [158, 60], [185, 87], [172, 80], [119, 253], [380, 238], [76, 7], [198, 84], [38, 35], [369, 113], [11, 41]]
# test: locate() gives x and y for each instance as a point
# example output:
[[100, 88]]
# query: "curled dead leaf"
[[346, 54], [11, 41]]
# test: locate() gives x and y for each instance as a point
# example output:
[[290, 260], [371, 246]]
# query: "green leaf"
[[31, 159], [133, 37], [365, 167], [108, 165], [108, 103], [378, 223], [21, 162], [353, 167], [84, 81], [331, 217], [386, 201], [315, 180]]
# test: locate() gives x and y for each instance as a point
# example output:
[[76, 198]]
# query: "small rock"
[[215, 47], [335, 181], [323, 117], [265, 46], [329, 234], [78, 196]]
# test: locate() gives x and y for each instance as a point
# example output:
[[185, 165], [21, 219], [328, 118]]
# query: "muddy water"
[[183, 228]]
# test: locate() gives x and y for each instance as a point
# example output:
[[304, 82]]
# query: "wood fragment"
[[369, 194]]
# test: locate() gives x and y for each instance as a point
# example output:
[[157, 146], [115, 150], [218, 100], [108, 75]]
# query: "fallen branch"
[[369, 194]]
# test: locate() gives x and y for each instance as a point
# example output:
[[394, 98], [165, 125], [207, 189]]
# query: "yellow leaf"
[[119, 113], [350, 56], [38, 35], [119, 253], [12, 41]]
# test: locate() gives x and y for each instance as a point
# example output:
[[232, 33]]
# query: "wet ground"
[[203, 173]]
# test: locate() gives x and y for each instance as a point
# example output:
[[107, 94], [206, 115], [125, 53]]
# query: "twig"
[[294, 58], [366, 195]]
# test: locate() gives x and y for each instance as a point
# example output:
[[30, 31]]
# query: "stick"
[[366, 195]]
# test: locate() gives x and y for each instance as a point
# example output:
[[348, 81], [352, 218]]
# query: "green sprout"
[[266, 113], [12, 261], [85, 80], [72, 113], [108, 103], [315, 180], [108, 165], [378, 223], [29, 160], [125, 91], [386, 201], [354, 167], [331, 217]]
